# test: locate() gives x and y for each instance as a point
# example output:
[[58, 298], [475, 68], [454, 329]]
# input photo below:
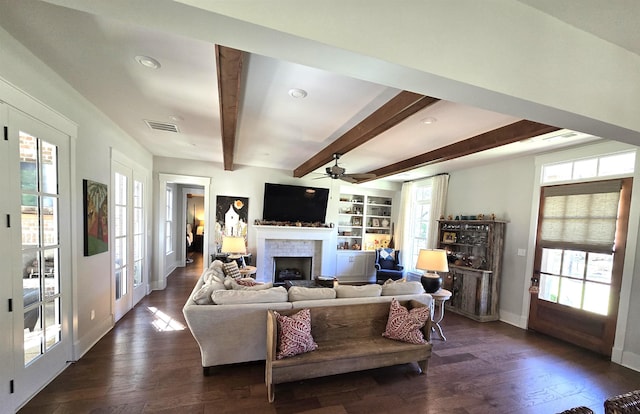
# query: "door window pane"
[[596, 298], [53, 327], [551, 261], [570, 292], [49, 160], [549, 287], [573, 263], [51, 273], [599, 267], [50, 220]]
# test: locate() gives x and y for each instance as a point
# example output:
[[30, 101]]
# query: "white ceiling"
[[95, 54]]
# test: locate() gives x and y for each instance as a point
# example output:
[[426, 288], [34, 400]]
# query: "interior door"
[[40, 251], [581, 240]]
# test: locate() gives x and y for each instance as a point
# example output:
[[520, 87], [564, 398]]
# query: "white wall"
[[96, 136]]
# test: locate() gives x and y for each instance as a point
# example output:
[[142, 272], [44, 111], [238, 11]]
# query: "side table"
[[248, 271], [439, 298]]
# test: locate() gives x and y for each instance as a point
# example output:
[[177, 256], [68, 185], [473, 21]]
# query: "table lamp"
[[235, 247], [432, 261]]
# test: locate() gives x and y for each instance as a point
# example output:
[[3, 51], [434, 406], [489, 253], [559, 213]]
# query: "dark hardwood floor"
[[146, 364]]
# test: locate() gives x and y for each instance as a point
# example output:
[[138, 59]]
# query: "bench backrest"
[[352, 321]]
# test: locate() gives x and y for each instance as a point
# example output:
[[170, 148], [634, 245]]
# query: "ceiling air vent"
[[161, 126]]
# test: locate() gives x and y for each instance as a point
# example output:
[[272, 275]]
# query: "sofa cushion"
[[348, 291], [294, 334], [403, 288], [230, 297], [297, 293], [231, 269], [405, 325]]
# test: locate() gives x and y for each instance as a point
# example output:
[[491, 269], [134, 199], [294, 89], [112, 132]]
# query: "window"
[[419, 218], [169, 222], [602, 166]]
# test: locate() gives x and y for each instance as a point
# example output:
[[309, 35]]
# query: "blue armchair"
[[388, 265]]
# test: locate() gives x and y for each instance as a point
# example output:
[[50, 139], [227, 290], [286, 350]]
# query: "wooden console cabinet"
[[474, 249]]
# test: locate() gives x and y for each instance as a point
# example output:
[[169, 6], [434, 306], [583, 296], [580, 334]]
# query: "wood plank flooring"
[[145, 365]]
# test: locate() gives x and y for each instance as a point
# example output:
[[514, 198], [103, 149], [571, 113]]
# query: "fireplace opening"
[[291, 268]]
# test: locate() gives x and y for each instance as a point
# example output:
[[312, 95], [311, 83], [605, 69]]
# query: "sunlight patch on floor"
[[164, 322]]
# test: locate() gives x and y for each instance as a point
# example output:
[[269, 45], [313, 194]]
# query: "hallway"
[[150, 363]]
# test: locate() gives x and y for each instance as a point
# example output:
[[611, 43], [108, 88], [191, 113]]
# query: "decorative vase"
[[431, 282]]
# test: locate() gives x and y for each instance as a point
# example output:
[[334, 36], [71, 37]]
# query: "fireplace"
[[283, 241], [292, 268]]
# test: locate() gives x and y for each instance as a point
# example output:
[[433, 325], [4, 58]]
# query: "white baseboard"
[[630, 360], [84, 344], [513, 319]]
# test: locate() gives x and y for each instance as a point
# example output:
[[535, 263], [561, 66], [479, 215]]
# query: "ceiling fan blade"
[[363, 176], [348, 179]]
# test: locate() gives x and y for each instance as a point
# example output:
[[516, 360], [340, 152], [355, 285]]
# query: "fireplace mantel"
[[325, 235]]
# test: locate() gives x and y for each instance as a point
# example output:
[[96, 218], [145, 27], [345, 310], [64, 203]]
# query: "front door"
[[581, 240]]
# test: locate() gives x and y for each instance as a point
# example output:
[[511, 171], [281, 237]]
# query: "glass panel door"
[[39, 176]]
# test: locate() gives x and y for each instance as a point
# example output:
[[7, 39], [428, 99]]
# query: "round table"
[[248, 271], [439, 298]]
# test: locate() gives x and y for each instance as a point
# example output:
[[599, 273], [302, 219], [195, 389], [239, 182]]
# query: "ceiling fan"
[[337, 172]]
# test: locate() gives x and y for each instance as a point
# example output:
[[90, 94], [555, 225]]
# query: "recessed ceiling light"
[[148, 62], [428, 120], [297, 93]]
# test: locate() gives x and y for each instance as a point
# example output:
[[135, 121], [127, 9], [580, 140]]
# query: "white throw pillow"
[[406, 288], [348, 291], [232, 297], [203, 295], [305, 293], [214, 272]]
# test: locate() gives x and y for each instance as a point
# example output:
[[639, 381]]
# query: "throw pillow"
[[294, 334], [405, 325], [234, 297], [231, 269], [298, 293], [391, 281], [246, 281], [203, 295]]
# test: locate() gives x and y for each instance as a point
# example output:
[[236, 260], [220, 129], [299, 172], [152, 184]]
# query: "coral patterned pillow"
[[405, 325], [295, 334]]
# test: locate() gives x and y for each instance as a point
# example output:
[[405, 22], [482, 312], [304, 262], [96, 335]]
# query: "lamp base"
[[431, 282]]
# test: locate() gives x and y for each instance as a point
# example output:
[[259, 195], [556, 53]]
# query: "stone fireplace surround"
[[287, 241]]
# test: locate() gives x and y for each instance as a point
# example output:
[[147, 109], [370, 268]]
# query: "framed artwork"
[[232, 216], [448, 237], [96, 217], [356, 221], [375, 222]]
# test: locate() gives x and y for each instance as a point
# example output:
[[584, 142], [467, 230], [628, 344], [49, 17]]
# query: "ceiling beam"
[[396, 110], [229, 69], [508, 134]]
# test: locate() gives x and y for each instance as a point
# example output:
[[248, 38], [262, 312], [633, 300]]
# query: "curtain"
[[403, 230], [439, 188]]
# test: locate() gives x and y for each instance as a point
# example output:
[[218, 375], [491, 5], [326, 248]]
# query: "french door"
[[581, 240], [39, 252], [130, 272]]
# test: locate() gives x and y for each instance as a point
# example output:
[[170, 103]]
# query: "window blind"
[[582, 216]]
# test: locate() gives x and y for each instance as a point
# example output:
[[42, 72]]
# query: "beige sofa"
[[233, 328]]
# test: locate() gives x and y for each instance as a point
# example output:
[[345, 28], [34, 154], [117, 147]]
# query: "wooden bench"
[[349, 338]]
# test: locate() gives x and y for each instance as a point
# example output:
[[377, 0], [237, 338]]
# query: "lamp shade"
[[432, 260], [233, 245]]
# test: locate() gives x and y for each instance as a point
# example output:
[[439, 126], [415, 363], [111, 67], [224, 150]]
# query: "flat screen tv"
[[294, 203]]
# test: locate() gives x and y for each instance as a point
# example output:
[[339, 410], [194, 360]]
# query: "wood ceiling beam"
[[508, 134], [229, 68], [396, 110]]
